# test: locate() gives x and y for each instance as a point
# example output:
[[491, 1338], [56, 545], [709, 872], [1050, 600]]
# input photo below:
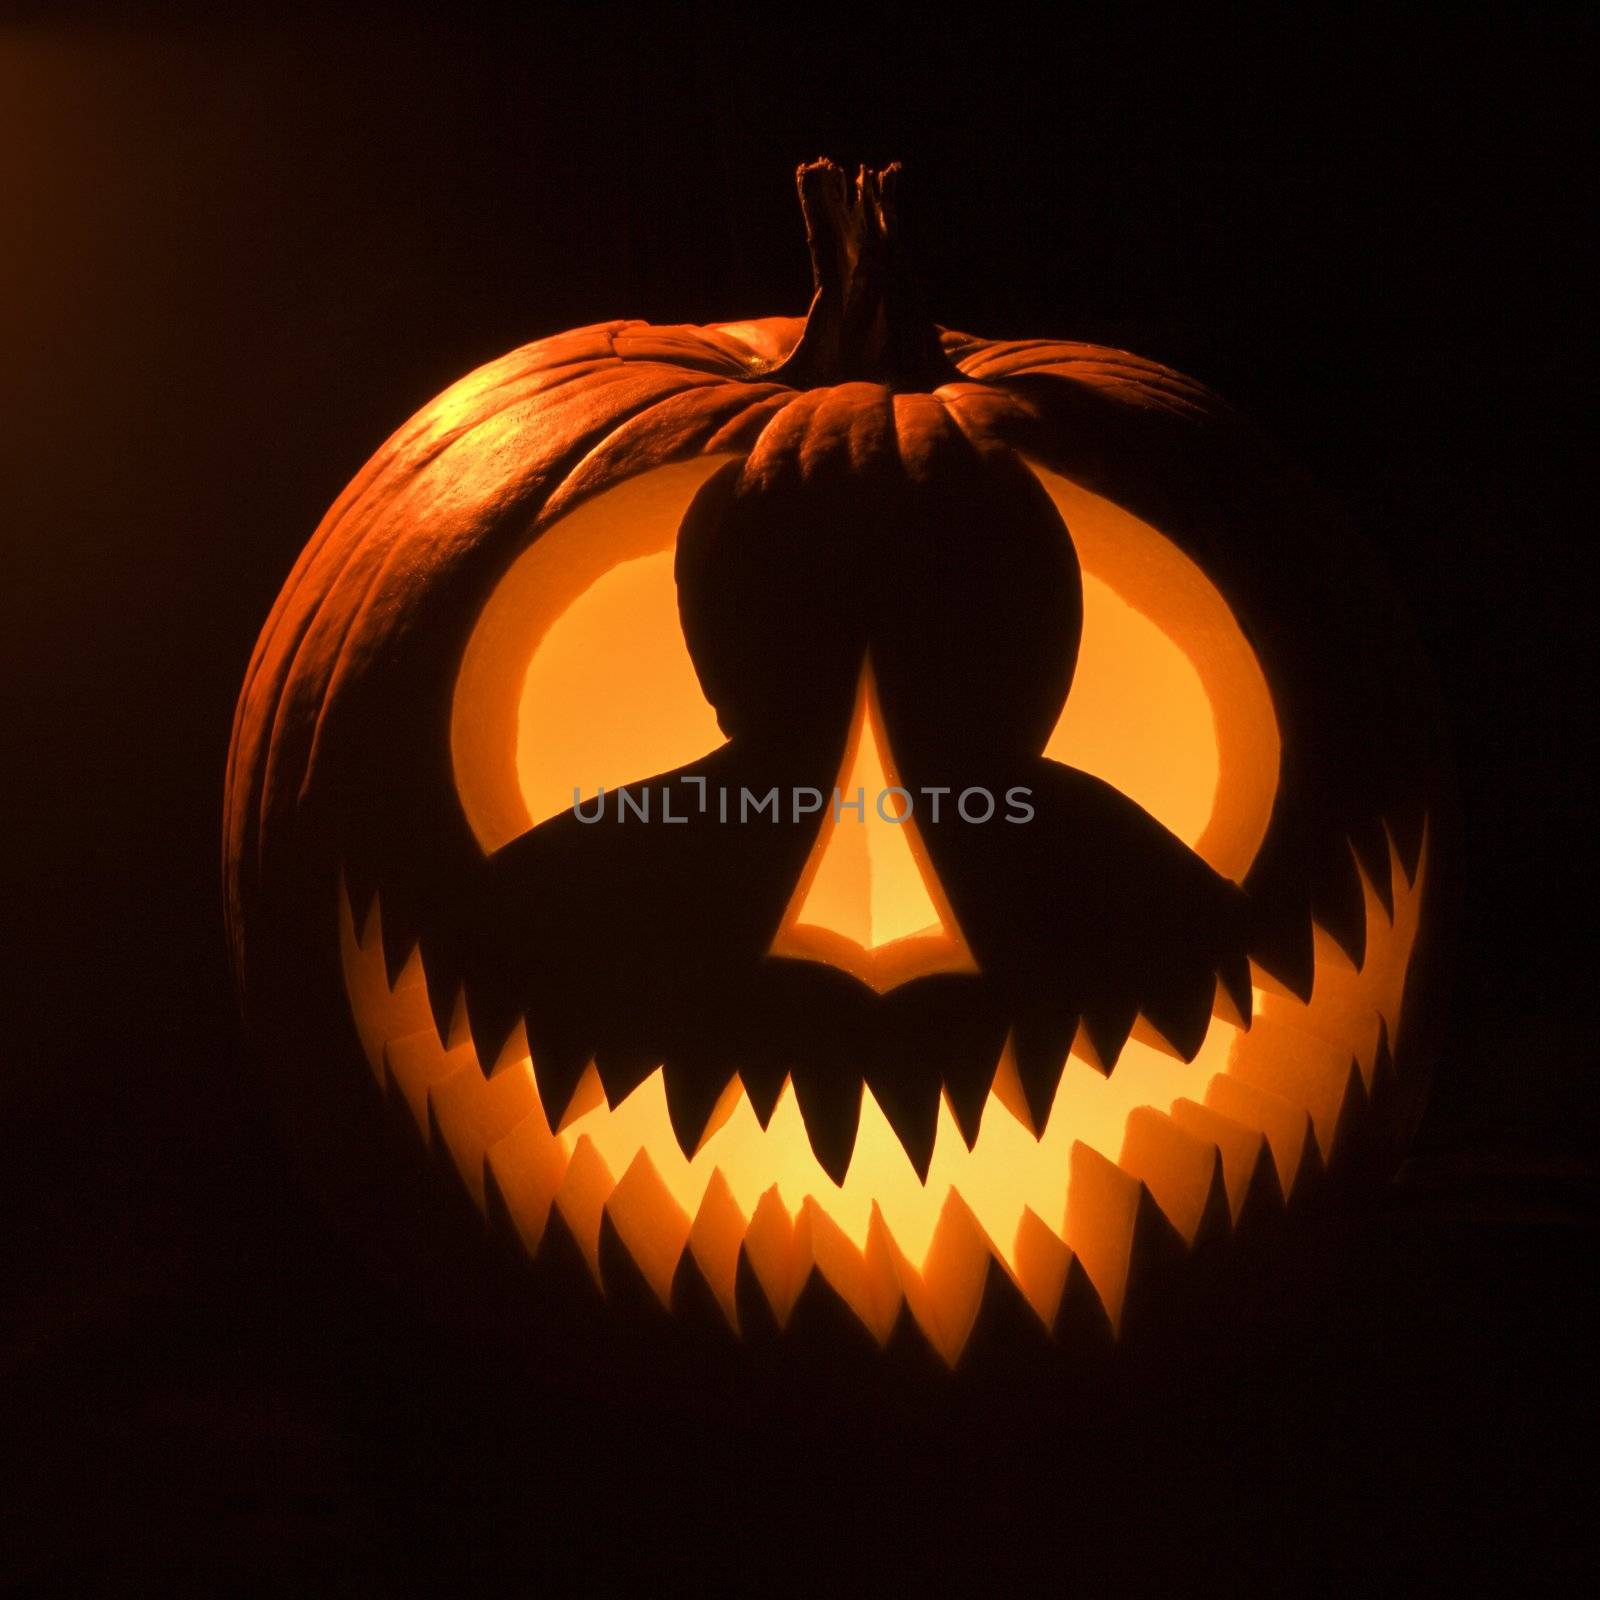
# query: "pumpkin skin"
[[852, 454]]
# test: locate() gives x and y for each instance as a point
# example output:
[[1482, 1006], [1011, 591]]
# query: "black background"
[[236, 257]]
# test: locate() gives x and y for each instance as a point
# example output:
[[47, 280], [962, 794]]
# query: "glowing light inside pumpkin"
[[550, 694], [869, 900], [1169, 703], [1207, 1139], [611, 695], [576, 673], [1164, 755]]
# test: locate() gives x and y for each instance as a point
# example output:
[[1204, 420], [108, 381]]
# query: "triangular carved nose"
[[869, 900]]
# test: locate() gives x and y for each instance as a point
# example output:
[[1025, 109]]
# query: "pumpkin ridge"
[[538, 490], [409, 435], [743, 398], [349, 532]]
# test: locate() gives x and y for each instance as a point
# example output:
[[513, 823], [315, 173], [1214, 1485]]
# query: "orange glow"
[[869, 900], [611, 695], [1169, 704], [576, 674], [1242, 1120], [1125, 657]]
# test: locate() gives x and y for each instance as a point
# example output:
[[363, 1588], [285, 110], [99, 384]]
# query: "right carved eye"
[[1169, 704]]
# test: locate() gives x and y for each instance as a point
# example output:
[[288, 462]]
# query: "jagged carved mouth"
[[1233, 1129]]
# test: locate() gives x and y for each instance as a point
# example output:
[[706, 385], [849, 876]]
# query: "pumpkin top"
[[866, 322]]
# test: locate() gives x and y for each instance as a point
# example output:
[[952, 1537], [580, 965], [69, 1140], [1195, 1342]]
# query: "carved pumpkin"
[[837, 799]]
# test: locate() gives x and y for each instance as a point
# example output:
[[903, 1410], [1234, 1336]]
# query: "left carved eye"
[[577, 676]]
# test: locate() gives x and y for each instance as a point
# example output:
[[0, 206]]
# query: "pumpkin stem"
[[866, 323]]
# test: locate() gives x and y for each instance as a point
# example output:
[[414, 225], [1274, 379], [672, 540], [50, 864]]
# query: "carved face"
[[840, 827]]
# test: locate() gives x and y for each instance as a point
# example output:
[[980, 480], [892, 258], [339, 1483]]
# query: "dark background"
[[236, 257]]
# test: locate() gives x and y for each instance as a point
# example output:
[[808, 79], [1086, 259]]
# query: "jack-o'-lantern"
[[837, 799]]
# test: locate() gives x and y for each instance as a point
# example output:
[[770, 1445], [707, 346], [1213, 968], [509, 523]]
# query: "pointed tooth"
[[1040, 1047], [1283, 949], [910, 1100], [623, 1069], [398, 915], [830, 1104], [560, 1059], [366, 916], [514, 1048], [459, 1032], [1103, 1032], [444, 997], [1007, 1089], [729, 1101], [695, 1088], [1338, 904], [943, 1028], [966, 1092], [492, 1018], [1369, 843], [965, 1060], [398, 950], [587, 1096], [1233, 999], [411, 976], [1407, 828], [1382, 1057], [763, 1086], [1181, 1011]]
